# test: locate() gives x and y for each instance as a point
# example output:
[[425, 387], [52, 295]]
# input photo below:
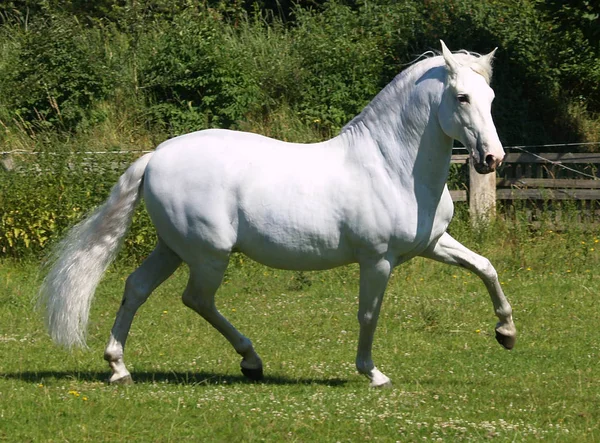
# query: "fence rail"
[[533, 177]]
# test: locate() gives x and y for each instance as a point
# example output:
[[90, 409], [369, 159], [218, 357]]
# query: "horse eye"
[[463, 98]]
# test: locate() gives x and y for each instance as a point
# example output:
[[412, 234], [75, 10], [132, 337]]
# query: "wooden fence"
[[532, 177]]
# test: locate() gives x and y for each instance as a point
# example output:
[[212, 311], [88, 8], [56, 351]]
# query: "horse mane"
[[418, 66]]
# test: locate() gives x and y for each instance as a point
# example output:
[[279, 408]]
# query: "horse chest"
[[420, 221]]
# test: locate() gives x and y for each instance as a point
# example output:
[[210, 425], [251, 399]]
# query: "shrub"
[[192, 83], [341, 65], [48, 193], [60, 73]]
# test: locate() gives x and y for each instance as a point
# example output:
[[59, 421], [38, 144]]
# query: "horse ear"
[[451, 63], [487, 59], [485, 64]]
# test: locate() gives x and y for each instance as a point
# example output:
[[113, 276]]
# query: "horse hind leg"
[[157, 267], [199, 295]]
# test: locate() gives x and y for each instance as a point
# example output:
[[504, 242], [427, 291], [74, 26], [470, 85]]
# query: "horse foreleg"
[[199, 295], [448, 250], [373, 281], [159, 265]]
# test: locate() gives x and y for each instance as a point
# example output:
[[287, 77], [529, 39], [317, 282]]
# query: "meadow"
[[451, 380]]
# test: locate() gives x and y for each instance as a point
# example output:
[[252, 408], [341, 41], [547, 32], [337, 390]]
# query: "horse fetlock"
[[113, 352], [364, 367], [244, 348], [504, 314]]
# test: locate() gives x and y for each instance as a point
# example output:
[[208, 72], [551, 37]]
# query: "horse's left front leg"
[[374, 277], [448, 250]]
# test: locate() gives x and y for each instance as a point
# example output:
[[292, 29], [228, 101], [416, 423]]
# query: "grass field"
[[452, 381]]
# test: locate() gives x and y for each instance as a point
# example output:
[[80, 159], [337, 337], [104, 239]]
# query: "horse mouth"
[[486, 163], [483, 168]]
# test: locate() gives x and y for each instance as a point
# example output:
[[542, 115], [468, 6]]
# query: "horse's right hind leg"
[[157, 267], [205, 279]]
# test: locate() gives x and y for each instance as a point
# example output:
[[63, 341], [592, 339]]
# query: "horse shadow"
[[169, 377]]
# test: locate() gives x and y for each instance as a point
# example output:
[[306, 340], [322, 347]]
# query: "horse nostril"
[[490, 160]]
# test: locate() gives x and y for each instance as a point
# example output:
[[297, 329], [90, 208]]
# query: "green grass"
[[452, 381]]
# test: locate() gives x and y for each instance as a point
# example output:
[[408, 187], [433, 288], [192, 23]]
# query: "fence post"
[[482, 196], [6, 162]]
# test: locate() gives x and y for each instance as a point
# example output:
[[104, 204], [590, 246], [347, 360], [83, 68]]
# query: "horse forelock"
[[477, 63], [486, 73]]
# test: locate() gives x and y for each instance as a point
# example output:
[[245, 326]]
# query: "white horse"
[[374, 195]]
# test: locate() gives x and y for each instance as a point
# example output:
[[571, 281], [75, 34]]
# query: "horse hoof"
[[253, 374], [507, 341], [386, 385], [123, 381]]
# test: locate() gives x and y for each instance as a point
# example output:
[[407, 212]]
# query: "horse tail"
[[78, 262]]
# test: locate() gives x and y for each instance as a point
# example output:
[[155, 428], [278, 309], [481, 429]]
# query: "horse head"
[[465, 110]]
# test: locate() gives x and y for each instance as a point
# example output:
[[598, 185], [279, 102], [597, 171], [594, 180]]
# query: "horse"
[[375, 195]]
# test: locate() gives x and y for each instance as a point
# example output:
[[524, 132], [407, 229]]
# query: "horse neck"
[[402, 124]]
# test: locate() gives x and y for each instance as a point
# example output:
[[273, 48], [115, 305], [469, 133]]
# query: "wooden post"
[[482, 196], [6, 162]]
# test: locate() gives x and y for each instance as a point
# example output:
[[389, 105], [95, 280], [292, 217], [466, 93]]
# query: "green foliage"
[[60, 73], [190, 66], [341, 65], [46, 195], [126, 75], [190, 84]]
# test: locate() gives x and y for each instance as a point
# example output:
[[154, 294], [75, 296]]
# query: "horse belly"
[[277, 240], [281, 257]]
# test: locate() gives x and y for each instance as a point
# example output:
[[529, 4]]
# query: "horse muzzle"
[[486, 157], [488, 163]]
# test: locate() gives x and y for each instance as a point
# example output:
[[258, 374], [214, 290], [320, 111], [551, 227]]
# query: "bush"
[[48, 193], [341, 65], [60, 73], [191, 80]]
